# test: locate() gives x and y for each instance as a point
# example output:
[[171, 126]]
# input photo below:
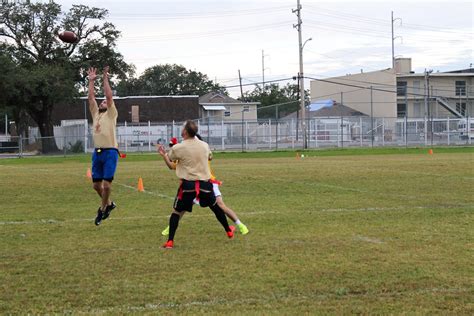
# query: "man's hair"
[[191, 128]]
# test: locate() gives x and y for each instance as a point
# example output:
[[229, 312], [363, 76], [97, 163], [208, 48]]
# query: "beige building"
[[449, 94], [400, 93], [219, 107], [367, 92]]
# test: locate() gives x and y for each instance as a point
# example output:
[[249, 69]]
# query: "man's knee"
[[216, 208], [107, 186], [180, 213], [97, 186]]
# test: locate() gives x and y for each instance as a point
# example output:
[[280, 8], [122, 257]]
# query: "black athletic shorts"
[[184, 200]]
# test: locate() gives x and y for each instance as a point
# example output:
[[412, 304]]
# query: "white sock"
[[237, 222]]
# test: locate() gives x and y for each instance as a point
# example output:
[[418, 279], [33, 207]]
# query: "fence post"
[[469, 132], [256, 134], [316, 132], [276, 133], [383, 131], [360, 131], [222, 134], [270, 133], [406, 131], [149, 136], [242, 131], [20, 149], [126, 137], [86, 128], [342, 131], [208, 131], [426, 131], [447, 125], [199, 125], [292, 127], [246, 135]]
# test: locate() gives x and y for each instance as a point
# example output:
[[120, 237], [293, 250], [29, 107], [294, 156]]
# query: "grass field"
[[339, 232]]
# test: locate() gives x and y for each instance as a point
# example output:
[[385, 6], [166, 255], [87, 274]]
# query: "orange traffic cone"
[[430, 152], [89, 173], [140, 187]]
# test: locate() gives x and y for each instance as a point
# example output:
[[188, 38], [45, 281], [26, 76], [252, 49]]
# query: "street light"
[[309, 39]]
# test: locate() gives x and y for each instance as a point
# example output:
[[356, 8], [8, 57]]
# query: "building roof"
[[437, 74], [467, 70], [336, 110], [217, 97]]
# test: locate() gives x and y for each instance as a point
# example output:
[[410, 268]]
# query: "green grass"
[[382, 231]]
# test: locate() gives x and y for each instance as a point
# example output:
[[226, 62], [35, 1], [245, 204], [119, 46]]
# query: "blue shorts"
[[104, 163]]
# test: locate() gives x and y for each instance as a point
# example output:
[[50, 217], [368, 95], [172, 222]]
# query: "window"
[[226, 112], [401, 109], [460, 87], [246, 108], [417, 110], [461, 107], [416, 88], [401, 88]]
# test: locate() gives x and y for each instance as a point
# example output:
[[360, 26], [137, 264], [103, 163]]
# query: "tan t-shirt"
[[192, 155], [104, 126]]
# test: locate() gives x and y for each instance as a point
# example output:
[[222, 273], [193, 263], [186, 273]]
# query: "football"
[[68, 37]]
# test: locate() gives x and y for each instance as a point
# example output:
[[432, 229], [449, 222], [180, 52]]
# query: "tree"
[[7, 69], [168, 80], [273, 94], [48, 71]]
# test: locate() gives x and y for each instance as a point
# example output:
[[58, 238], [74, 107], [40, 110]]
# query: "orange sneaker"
[[231, 233], [168, 244]]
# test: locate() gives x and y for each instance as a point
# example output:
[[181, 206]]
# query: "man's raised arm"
[[107, 90], [91, 76]]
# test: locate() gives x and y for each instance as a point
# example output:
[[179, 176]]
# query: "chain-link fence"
[[255, 135]]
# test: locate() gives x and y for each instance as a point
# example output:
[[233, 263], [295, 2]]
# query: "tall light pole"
[[263, 70], [393, 40], [301, 74]]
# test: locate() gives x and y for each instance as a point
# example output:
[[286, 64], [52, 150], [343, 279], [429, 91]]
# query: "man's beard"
[[102, 110]]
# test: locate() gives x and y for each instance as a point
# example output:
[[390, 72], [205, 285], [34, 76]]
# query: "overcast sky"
[[219, 37]]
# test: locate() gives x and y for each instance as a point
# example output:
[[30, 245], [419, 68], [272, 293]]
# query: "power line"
[[198, 14], [364, 19], [252, 84], [178, 36]]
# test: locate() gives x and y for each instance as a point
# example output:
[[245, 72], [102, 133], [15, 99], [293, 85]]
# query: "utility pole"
[[431, 115], [263, 71], [301, 76], [242, 110], [241, 91], [297, 112], [372, 117], [393, 40], [342, 125], [426, 106]]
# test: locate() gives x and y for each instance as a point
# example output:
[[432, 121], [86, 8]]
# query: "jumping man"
[[105, 156]]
